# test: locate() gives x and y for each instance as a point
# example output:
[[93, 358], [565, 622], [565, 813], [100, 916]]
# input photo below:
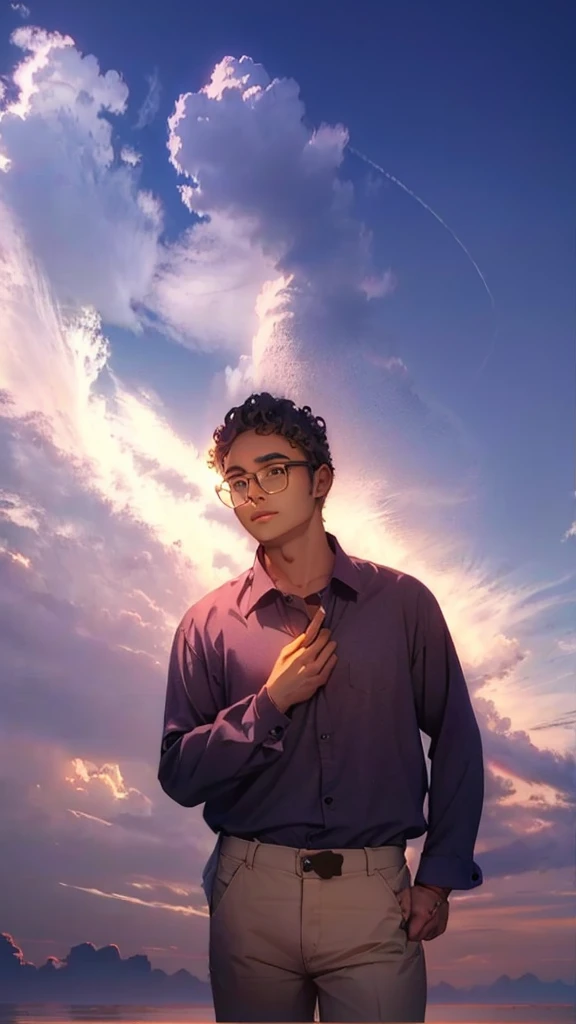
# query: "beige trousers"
[[282, 938]]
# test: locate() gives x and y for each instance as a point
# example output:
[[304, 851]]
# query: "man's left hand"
[[425, 923]]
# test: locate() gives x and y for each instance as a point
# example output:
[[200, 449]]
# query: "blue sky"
[[131, 327]]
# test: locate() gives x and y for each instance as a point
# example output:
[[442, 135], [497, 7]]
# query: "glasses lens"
[[225, 496], [273, 479]]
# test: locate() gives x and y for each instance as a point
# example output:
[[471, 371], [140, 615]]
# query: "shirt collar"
[[259, 582]]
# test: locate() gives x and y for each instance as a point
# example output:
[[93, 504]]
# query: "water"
[[118, 1014]]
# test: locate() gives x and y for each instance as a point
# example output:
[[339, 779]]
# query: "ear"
[[323, 482]]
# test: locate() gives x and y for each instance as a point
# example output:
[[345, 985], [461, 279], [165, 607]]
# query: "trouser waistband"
[[287, 858]]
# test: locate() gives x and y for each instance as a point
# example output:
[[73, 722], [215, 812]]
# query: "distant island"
[[99, 976]]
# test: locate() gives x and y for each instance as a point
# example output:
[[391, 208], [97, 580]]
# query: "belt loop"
[[369, 860], [251, 847]]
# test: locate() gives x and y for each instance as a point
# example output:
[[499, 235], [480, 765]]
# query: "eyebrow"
[[260, 458]]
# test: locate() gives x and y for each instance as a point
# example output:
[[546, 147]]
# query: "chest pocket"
[[366, 679]]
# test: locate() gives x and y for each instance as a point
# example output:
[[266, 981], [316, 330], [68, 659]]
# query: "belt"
[[326, 864]]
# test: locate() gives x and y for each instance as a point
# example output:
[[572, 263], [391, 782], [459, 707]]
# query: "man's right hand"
[[302, 666]]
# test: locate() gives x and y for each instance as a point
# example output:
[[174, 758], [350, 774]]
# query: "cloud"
[[130, 156], [22, 10], [243, 144], [201, 289], [186, 910], [86, 972], [63, 170], [206, 285], [249, 154], [103, 513], [151, 102], [570, 532], [86, 775]]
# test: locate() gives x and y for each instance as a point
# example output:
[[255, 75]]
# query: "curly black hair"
[[269, 415]]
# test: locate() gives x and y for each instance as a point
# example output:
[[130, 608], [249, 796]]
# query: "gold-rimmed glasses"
[[272, 480]]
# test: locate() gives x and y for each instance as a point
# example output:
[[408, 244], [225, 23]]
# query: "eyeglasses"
[[272, 479]]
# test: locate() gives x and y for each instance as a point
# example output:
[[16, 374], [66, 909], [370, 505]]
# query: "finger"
[[319, 662], [320, 678], [433, 928], [418, 923], [306, 638], [313, 628], [420, 933], [309, 654]]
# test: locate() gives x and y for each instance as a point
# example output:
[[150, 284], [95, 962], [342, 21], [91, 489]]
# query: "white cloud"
[[130, 156], [570, 532], [201, 288], [62, 172], [22, 10], [242, 142], [206, 284], [151, 102]]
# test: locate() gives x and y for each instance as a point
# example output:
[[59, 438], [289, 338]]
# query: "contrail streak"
[[396, 181]]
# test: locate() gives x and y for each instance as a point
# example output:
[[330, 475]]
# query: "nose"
[[259, 489]]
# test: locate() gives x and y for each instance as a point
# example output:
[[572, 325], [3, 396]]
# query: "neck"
[[300, 561]]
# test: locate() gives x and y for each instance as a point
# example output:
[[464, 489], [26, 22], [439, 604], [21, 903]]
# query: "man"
[[295, 697]]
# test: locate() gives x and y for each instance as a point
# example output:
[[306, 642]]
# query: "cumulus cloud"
[[206, 285], [85, 776], [59, 132], [62, 170], [245, 146], [130, 156], [242, 142]]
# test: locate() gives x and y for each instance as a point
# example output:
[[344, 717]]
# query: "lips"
[[261, 515]]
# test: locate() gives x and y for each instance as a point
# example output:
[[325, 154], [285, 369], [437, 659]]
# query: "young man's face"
[[293, 507]]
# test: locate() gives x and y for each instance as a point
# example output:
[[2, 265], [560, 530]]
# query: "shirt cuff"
[[448, 872], [271, 723]]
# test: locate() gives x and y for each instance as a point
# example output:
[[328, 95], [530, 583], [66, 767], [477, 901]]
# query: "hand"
[[302, 666], [424, 923]]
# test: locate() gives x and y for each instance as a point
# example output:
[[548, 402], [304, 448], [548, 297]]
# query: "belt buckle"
[[326, 864]]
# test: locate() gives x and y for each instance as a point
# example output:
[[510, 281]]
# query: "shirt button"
[[475, 876], [276, 731], [328, 799], [289, 598], [325, 736]]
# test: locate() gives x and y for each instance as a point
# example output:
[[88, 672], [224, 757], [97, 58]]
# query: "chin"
[[265, 531], [277, 531]]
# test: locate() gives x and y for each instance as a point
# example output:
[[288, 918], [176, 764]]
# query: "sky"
[[191, 210]]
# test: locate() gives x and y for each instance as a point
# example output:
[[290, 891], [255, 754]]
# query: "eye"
[[275, 471], [237, 485]]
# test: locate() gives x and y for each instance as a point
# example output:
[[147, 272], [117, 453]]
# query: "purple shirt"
[[345, 768]]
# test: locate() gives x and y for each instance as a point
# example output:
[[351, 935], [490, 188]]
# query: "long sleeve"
[[456, 792], [207, 749]]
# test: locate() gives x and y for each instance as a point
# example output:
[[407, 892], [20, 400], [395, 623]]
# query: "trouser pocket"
[[227, 874], [397, 882]]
